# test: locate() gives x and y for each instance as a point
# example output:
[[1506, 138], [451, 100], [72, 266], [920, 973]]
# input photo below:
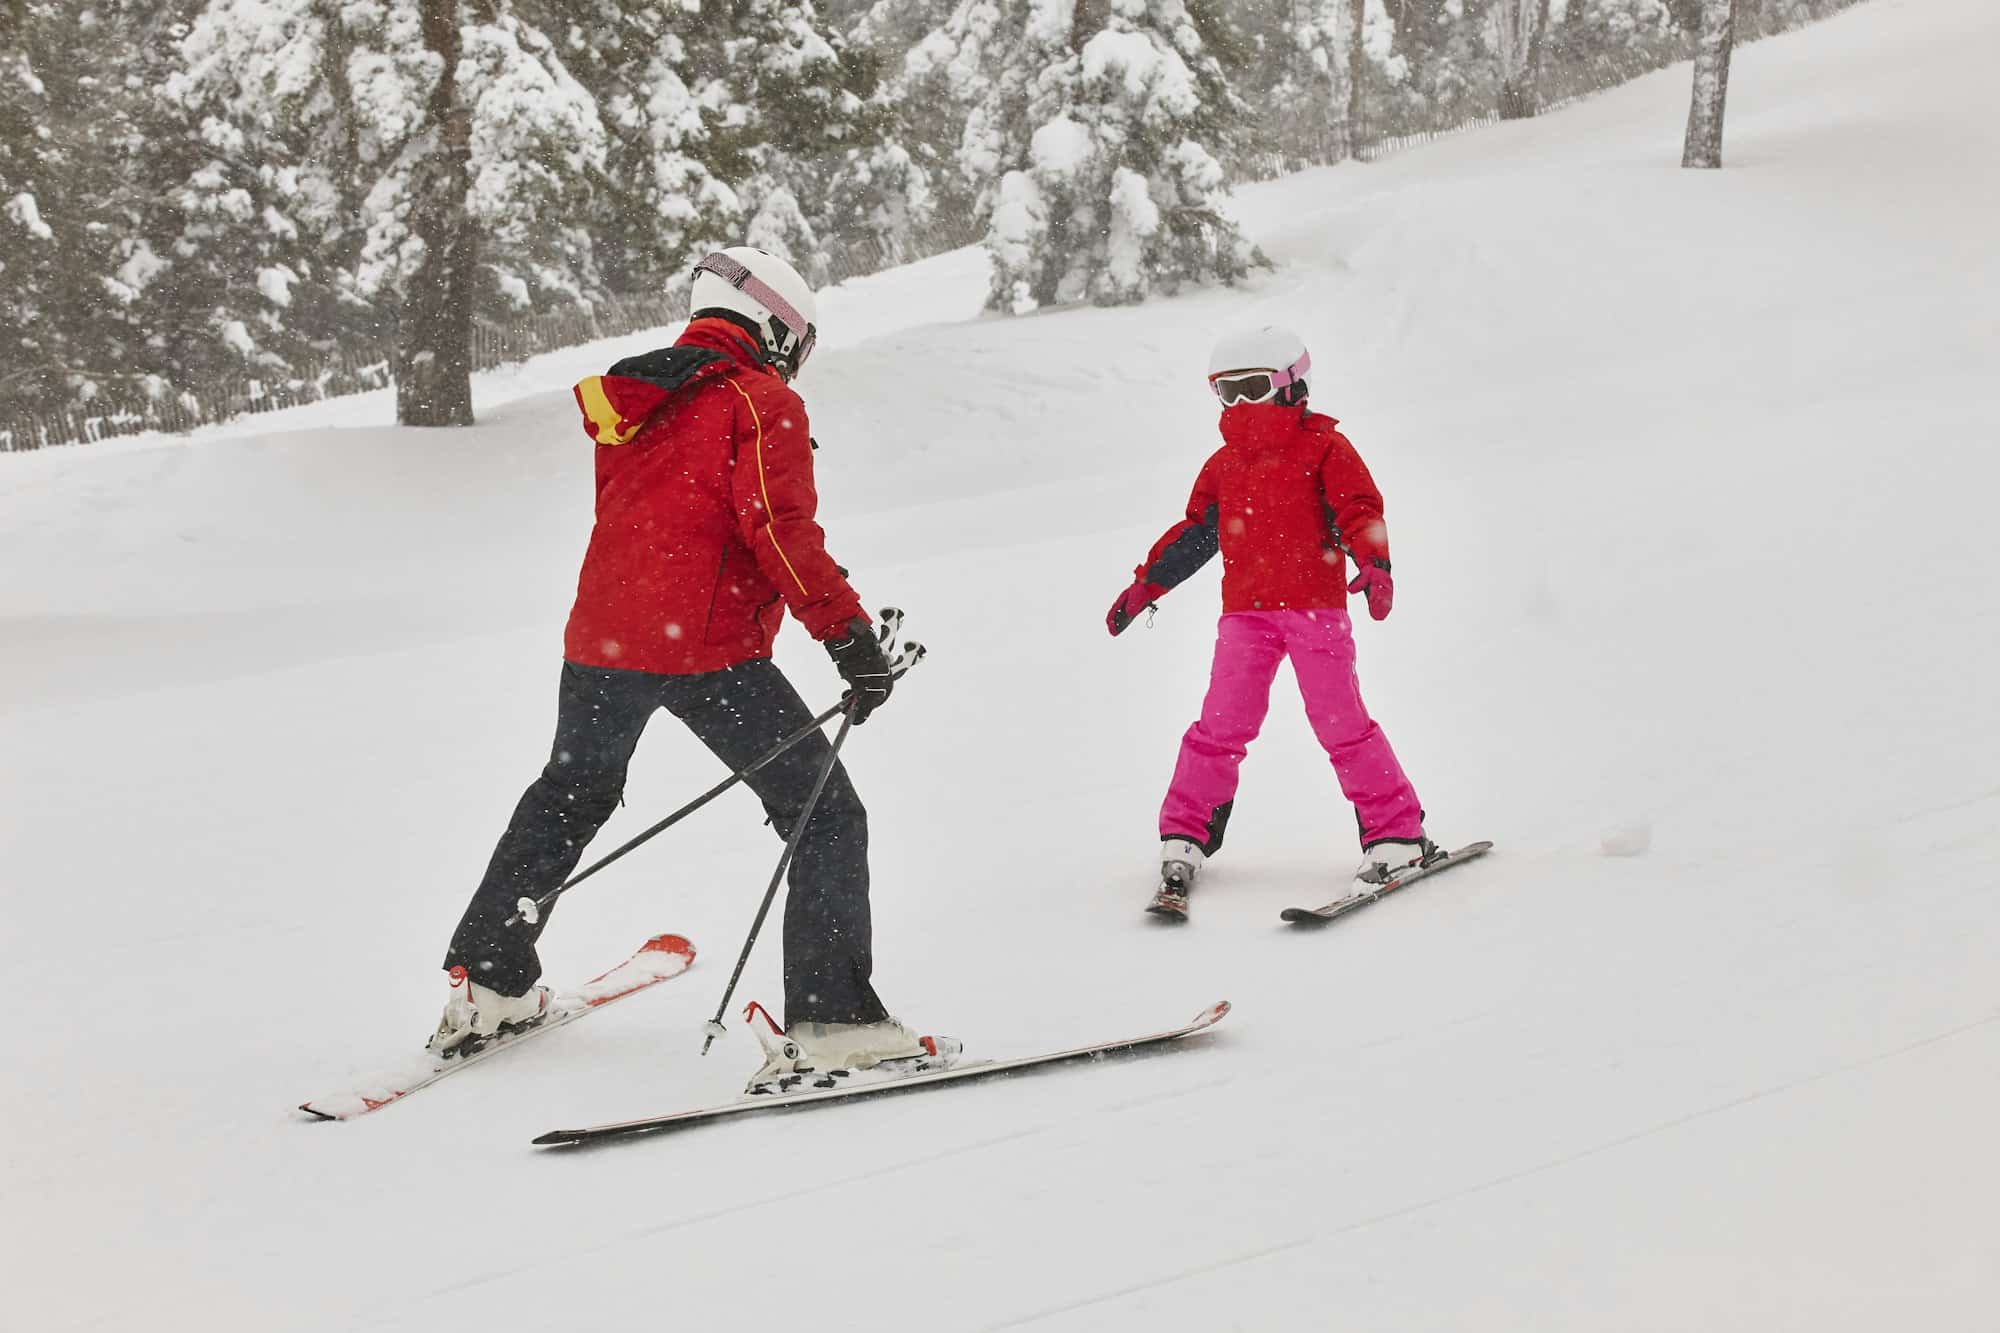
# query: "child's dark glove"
[[1373, 579], [1135, 599]]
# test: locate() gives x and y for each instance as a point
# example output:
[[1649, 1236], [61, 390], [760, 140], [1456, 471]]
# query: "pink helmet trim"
[[1295, 372]]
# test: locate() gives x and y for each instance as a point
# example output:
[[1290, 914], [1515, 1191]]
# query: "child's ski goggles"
[[1257, 386]]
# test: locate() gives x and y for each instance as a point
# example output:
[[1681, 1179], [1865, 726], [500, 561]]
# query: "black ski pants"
[[738, 713]]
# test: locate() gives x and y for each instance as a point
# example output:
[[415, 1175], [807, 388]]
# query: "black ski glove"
[[859, 658]]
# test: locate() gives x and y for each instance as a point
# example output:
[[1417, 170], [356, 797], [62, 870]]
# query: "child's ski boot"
[[1384, 861], [1180, 864]]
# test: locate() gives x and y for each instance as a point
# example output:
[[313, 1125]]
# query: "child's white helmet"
[[768, 292], [1257, 365]]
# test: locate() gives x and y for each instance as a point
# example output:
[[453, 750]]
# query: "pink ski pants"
[[1248, 647]]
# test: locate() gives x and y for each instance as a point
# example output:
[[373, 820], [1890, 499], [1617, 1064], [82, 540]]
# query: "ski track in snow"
[[1687, 480], [1511, 1178]]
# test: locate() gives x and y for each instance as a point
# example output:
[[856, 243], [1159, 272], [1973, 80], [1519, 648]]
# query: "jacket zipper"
[[708, 625]]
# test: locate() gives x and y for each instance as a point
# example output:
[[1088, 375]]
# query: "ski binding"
[[1340, 907], [659, 959]]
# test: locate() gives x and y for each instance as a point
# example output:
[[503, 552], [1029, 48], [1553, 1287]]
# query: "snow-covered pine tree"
[[1442, 65], [1307, 110], [804, 133], [71, 178], [881, 199], [662, 198], [890, 26], [1711, 85], [1310, 75], [1117, 192], [1625, 32], [336, 162], [31, 258], [961, 93]]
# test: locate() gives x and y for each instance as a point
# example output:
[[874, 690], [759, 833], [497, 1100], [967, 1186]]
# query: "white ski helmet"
[[768, 292], [1257, 365]]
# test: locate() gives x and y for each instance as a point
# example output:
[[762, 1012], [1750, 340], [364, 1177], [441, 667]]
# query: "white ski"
[[661, 958], [901, 1083]]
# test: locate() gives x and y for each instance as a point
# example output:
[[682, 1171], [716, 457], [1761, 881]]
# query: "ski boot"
[[476, 1014], [1180, 864], [1382, 862], [824, 1055]]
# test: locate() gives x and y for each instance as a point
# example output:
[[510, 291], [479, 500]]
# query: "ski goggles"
[[804, 336], [1257, 386]]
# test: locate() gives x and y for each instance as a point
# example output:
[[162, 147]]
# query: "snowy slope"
[[1687, 477]]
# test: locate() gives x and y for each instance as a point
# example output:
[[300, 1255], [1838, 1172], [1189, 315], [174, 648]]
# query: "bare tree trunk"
[[1711, 85], [1357, 73], [1520, 88], [434, 344]]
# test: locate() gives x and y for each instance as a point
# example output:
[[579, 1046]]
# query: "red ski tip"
[[679, 944]]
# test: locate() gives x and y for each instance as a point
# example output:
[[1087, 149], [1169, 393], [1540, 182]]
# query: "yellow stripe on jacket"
[[770, 519]]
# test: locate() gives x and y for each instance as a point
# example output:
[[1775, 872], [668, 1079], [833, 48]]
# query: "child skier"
[[1286, 500]]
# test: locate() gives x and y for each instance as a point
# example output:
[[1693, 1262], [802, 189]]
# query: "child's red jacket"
[[1280, 499], [705, 512]]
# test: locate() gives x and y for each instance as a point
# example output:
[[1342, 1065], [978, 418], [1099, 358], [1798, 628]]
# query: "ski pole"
[[530, 909], [715, 1028]]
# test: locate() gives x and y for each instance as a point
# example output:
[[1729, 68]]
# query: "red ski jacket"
[[705, 502], [1279, 500]]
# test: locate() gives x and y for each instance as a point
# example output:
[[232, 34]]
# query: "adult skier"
[[1286, 501], [705, 535]]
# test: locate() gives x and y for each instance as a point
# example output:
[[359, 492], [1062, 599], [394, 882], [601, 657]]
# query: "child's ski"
[[904, 1083], [659, 959], [1333, 911]]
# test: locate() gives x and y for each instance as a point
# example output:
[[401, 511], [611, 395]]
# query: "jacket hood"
[[617, 405], [726, 337]]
